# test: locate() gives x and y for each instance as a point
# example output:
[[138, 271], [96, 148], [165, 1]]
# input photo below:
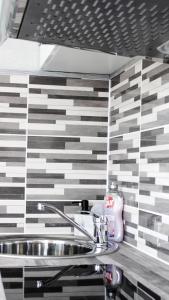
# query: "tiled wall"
[[13, 117], [139, 153], [21, 283], [124, 143], [52, 148], [75, 283]]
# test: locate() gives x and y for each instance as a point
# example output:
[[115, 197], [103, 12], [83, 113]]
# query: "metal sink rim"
[[95, 251]]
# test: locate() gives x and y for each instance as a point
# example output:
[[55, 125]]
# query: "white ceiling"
[[29, 56], [66, 59], [19, 55]]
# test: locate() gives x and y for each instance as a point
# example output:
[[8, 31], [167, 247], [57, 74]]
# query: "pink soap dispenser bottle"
[[113, 211]]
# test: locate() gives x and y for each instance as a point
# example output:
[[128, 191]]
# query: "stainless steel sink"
[[33, 246]]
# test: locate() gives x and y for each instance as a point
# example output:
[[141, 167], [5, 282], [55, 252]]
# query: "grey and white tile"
[[67, 145], [12, 182]]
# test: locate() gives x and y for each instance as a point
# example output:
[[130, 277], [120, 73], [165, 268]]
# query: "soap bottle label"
[[109, 201]]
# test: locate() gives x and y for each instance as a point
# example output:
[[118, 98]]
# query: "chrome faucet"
[[100, 224]]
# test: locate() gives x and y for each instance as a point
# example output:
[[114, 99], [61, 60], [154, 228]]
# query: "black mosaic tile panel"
[[125, 27]]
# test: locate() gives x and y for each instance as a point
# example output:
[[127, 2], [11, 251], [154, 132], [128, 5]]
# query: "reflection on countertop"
[[126, 274], [74, 282], [85, 282]]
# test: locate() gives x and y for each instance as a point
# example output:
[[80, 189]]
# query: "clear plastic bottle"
[[113, 210]]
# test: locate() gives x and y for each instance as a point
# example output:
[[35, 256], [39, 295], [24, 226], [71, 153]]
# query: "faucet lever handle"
[[40, 207]]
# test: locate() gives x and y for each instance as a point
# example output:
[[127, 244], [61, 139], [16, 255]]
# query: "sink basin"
[[43, 246]]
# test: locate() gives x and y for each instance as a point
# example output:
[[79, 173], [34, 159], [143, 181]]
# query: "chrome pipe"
[[41, 207]]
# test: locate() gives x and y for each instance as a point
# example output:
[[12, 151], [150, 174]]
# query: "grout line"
[[67, 137], [13, 134], [126, 104], [152, 212], [26, 158], [155, 127], [124, 134], [23, 277], [139, 159], [41, 72], [141, 130], [126, 66], [108, 134]]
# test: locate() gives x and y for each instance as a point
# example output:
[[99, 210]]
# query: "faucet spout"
[[42, 207]]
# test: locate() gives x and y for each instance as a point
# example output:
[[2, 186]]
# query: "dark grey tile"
[[146, 63], [46, 80], [148, 220]]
